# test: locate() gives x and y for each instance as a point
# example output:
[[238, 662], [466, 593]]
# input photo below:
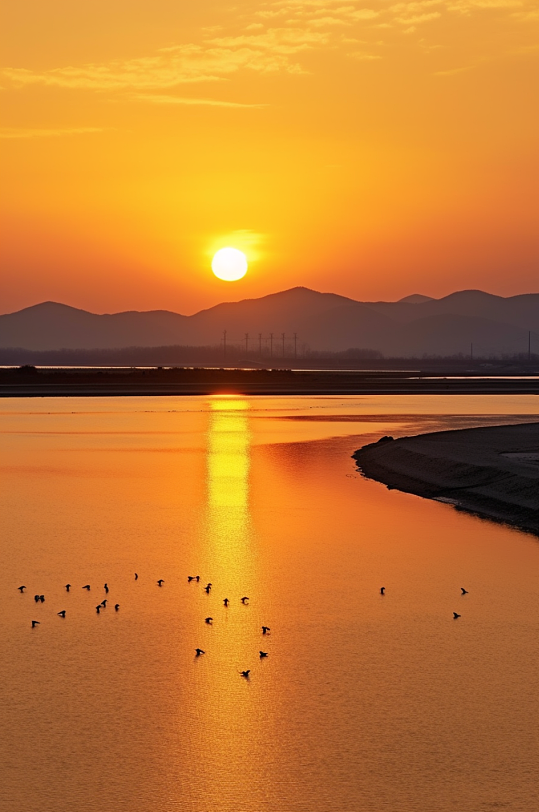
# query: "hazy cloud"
[[418, 18], [260, 47], [362, 56], [216, 59], [180, 100], [22, 132], [453, 71]]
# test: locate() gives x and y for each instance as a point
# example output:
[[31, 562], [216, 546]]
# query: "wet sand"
[[493, 472]]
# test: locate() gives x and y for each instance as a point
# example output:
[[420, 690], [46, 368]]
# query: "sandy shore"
[[493, 472]]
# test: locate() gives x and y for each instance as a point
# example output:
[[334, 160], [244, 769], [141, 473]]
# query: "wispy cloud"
[[214, 60], [454, 71], [273, 38], [363, 57], [21, 132], [181, 100]]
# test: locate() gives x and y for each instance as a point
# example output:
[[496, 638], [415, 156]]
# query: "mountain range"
[[414, 326]]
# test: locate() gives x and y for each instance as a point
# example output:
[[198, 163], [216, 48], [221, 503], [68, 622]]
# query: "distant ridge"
[[465, 322], [416, 298]]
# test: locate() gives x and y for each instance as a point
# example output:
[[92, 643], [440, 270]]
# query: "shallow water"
[[364, 703]]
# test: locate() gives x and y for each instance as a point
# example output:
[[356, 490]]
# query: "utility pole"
[[271, 345], [246, 343], [295, 346], [224, 343], [282, 336], [260, 344]]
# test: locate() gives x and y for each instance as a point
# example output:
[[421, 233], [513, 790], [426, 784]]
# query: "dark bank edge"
[[486, 472]]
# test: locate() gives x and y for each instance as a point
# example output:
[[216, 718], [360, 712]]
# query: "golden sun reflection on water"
[[228, 467], [229, 708]]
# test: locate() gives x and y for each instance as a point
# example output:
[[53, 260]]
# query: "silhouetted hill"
[[416, 325], [416, 298], [50, 326]]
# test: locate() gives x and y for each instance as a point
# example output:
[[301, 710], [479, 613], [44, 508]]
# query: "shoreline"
[[491, 472], [159, 382]]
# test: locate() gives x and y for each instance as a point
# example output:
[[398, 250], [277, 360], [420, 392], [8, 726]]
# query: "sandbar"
[[492, 472]]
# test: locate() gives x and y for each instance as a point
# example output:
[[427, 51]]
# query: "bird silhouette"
[[98, 608], [199, 651], [383, 591], [36, 598], [244, 600], [136, 576], [160, 582], [190, 578], [86, 586], [116, 606], [21, 589], [42, 598], [226, 601], [68, 587], [265, 629], [455, 615], [104, 603], [209, 621], [106, 588], [35, 623], [464, 591], [245, 673], [207, 588], [263, 654], [197, 578], [62, 613]]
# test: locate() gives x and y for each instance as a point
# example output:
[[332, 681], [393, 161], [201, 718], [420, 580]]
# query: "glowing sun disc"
[[229, 264]]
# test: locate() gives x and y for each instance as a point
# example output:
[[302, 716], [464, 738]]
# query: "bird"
[[455, 615], [21, 589], [245, 673], [190, 578], [104, 603], [208, 621], [197, 578], [36, 598], [42, 598], [35, 623], [199, 651], [160, 582], [263, 654], [68, 587], [464, 591], [382, 590], [226, 601], [62, 613], [98, 608], [265, 629], [116, 606], [86, 586], [244, 600], [136, 576], [106, 588], [207, 588]]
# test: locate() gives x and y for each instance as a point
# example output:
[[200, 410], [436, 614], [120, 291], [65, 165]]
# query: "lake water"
[[366, 703]]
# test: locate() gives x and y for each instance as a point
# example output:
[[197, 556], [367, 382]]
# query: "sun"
[[229, 264]]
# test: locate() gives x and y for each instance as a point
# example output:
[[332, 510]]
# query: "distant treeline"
[[213, 356], [176, 355]]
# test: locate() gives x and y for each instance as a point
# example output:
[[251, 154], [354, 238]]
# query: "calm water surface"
[[364, 704]]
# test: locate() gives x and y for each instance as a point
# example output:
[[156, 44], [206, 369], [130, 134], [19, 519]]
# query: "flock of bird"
[[190, 579], [196, 578]]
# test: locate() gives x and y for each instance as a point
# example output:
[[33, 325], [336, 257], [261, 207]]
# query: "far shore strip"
[[493, 472]]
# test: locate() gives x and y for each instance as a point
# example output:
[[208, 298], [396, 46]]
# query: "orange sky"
[[373, 149]]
